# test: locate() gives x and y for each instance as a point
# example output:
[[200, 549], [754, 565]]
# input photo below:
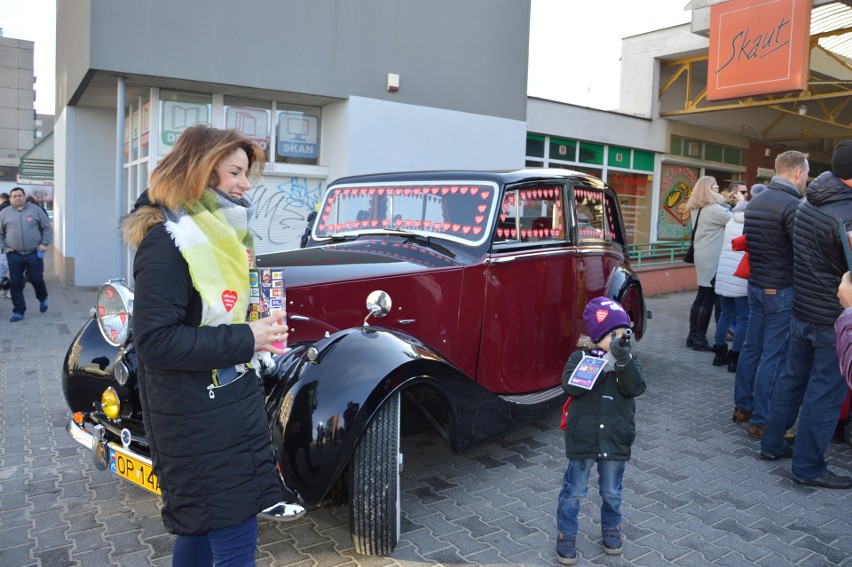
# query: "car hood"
[[359, 259]]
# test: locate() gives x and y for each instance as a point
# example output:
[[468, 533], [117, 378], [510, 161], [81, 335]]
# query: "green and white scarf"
[[213, 237]]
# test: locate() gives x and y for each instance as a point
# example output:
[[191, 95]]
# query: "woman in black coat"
[[201, 398]]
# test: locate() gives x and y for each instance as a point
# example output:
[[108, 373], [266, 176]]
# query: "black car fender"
[[624, 286], [320, 408]]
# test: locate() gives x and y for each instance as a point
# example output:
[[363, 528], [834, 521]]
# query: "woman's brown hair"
[[190, 167]]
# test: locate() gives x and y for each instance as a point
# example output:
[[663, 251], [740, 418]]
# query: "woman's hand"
[[844, 292], [270, 330]]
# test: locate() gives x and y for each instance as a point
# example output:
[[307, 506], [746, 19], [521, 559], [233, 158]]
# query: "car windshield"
[[458, 211]]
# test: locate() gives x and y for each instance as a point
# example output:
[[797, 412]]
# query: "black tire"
[[374, 502]]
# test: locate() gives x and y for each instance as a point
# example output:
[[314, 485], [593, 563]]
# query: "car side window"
[[531, 215], [594, 218]]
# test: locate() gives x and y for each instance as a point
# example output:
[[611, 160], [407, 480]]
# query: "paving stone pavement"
[[694, 492]]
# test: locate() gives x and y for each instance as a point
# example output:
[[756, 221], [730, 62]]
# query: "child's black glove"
[[620, 349]]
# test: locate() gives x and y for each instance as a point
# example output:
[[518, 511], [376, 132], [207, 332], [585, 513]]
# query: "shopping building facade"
[[329, 89]]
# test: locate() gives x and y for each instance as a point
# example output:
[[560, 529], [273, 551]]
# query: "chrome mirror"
[[378, 305]]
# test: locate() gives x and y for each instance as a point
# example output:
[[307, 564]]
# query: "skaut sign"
[[758, 47]]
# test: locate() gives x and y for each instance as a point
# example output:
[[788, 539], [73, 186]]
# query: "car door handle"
[[503, 259], [406, 321]]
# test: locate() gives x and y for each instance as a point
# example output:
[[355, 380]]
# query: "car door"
[[530, 292]]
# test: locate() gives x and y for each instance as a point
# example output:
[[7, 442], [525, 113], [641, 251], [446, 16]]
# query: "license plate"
[[130, 468]]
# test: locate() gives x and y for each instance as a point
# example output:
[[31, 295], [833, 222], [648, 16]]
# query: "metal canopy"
[[813, 119]]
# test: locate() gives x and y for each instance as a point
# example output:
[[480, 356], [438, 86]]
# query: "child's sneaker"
[[612, 540], [566, 550]]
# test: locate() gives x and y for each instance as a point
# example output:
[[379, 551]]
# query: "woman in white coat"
[[733, 292], [709, 215]]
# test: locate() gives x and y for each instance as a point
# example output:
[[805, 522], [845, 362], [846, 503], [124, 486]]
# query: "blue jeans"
[[734, 310], [575, 486], [233, 546], [34, 268], [764, 351], [811, 378]]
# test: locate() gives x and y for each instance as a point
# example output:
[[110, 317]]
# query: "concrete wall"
[[577, 122], [386, 136], [333, 48], [85, 229], [640, 65]]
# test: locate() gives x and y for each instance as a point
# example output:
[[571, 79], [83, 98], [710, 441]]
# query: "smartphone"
[[846, 243]]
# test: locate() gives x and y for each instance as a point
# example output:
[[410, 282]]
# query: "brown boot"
[[741, 416], [756, 431]]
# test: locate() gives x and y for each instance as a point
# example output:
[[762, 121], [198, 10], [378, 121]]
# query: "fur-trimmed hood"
[[585, 341], [144, 216]]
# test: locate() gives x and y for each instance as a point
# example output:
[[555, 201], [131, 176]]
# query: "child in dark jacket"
[[602, 378]]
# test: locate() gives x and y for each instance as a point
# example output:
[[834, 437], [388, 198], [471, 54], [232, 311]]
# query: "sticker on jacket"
[[587, 372]]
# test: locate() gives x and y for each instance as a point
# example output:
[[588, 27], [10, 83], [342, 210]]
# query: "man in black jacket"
[[769, 235], [812, 374]]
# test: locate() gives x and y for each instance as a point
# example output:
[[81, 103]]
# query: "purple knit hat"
[[602, 315]]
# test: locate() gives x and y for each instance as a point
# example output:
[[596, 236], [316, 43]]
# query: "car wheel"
[[374, 502]]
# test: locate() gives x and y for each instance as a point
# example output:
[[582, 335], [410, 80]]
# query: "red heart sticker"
[[229, 298], [601, 314], [481, 208], [123, 317]]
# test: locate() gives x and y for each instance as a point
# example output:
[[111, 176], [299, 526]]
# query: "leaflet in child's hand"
[[587, 372]]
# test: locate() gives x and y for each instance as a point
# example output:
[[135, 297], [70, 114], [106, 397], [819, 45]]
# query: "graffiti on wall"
[[281, 209], [675, 189]]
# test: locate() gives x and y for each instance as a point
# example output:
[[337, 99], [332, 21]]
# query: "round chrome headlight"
[[110, 403], [115, 303]]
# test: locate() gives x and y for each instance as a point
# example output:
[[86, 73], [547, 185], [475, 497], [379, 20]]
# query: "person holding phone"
[[811, 376], [202, 401]]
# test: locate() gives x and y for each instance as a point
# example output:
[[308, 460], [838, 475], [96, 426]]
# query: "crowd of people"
[[773, 268]]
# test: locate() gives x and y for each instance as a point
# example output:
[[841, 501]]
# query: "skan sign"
[[758, 47]]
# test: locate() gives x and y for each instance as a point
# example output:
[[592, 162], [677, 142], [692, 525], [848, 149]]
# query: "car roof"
[[499, 177]]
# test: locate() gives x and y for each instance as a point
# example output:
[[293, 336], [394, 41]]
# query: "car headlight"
[[113, 309], [110, 403]]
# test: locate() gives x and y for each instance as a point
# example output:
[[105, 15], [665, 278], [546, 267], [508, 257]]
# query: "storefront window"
[[145, 127], [619, 157], [591, 153], [179, 111], [535, 145], [675, 189], [565, 150], [297, 135], [643, 160], [127, 114], [251, 118], [635, 192]]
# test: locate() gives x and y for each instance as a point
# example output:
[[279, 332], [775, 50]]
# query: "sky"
[[575, 46]]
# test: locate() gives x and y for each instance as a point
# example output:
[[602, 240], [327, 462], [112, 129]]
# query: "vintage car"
[[444, 300]]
